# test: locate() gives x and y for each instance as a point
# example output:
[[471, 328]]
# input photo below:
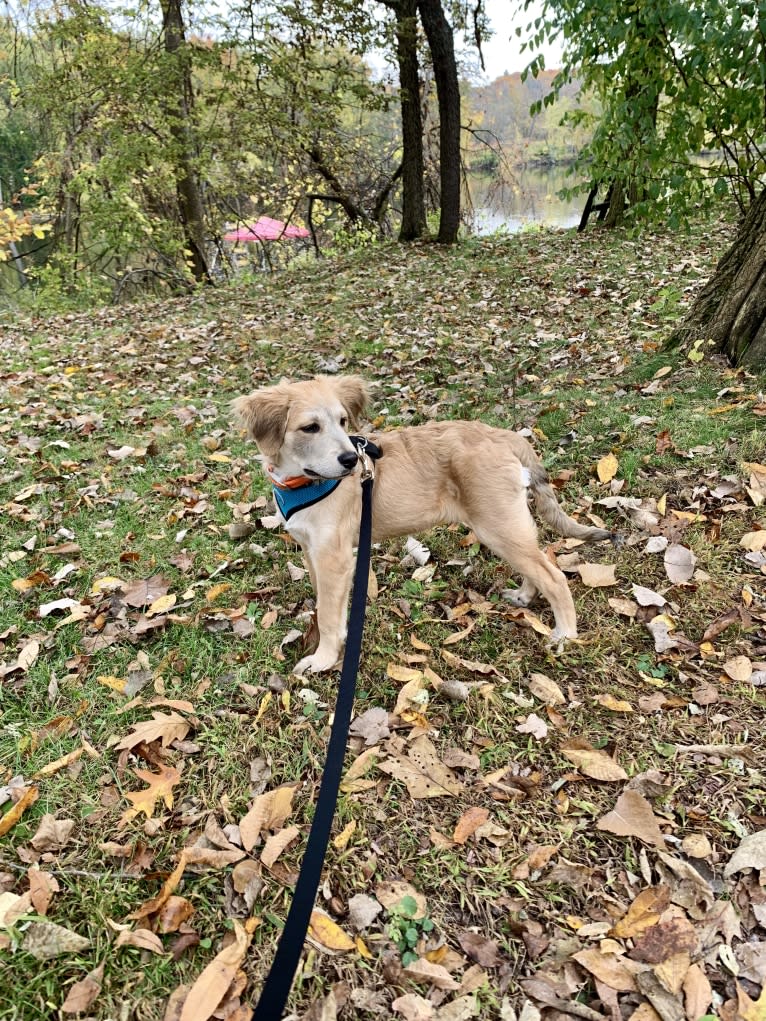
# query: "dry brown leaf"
[[607, 968], [597, 575], [739, 668], [754, 541], [83, 993], [141, 939], [329, 933], [173, 913], [167, 727], [213, 983], [616, 705], [545, 689], [277, 843], [45, 940], [468, 823], [426, 973], [413, 1007], [160, 788], [424, 774], [52, 833], [698, 993], [42, 886], [9, 820], [593, 762], [155, 904], [643, 913], [672, 972], [632, 816], [28, 655], [391, 895], [354, 779], [533, 725], [269, 811]]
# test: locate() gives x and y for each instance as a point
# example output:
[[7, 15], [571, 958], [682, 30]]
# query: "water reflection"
[[530, 198]]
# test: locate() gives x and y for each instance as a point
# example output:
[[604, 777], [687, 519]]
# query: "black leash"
[[276, 989]]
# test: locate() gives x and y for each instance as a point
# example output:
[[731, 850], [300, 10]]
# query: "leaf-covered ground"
[[518, 834]]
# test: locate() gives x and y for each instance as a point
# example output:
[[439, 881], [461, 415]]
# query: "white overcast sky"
[[502, 52]]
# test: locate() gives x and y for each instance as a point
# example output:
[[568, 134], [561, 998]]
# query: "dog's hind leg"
[[517, 545]]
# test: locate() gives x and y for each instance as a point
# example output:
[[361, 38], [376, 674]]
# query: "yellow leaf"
[[115, 683], [214, 982], [362, 948], [265, 703], [217, 590], [9, 820], [606, 469], [617, 705], [329, 933], [162, 605], [108, 584], [340, 843], [662, 504]]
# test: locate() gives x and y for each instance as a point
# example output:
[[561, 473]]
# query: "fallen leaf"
[[372, 725], [46, 940], [83, 993], [607, 968], [396, 894], [597, 575], [647, 596], [156, 903], [593, 762], [533, 725], [213, 983], [680, 563], [164, 727], [362, 911], [632, 816], [269, 811], [643, 913], [754, 541], [42, 886], [329, 933], [160, 787], [426, 973], [751, 854], [545, 689], [52, 834], [468, 823], [606, 468], [277, 843], [616, 705], [9, 820], [28, 655], [480, 949], [424, 774], [740, 668], [413, 1007]]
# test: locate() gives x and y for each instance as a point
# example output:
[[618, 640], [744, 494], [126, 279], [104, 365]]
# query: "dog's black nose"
[[348, 459]]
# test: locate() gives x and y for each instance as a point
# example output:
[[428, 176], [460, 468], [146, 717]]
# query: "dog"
[[445, 472]]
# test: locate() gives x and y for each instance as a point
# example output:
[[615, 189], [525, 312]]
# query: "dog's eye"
[[313, 428], [343, 422]]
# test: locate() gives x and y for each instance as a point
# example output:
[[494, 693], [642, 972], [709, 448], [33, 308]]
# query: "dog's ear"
[[354, 396], [264, 415]]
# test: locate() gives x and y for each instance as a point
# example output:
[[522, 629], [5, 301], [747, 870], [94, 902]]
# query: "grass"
[[555, 332]]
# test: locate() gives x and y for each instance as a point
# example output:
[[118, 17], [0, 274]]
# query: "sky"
[[502, 52]]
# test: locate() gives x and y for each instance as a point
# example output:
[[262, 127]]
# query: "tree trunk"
[[730, 310], [190, 205], [442, 46], [413, 198]]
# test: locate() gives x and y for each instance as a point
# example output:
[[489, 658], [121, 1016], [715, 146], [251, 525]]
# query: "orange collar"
[[293, 482]]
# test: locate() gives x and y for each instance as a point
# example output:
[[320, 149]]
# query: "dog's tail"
[[549, 510]]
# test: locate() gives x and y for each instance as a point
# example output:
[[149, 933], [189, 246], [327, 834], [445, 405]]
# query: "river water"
[[530, 199]]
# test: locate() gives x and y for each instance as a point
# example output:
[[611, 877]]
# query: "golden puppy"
[[438, 473]]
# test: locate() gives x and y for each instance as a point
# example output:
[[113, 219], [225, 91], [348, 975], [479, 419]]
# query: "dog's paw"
[[315, 664], [557, 641]]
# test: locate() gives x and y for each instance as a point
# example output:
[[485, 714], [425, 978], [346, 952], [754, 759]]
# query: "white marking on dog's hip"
[[526, 477]]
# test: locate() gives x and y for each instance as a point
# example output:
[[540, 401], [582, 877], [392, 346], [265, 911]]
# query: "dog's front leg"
[[331, 569]]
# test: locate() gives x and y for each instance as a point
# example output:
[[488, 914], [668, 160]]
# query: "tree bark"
[[442, 46], [413, 196], [730, 310], [190, 205]]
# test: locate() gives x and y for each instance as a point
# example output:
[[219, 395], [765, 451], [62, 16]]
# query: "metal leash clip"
[[368, 465]]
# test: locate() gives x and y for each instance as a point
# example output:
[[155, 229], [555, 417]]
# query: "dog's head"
[[302, 428]]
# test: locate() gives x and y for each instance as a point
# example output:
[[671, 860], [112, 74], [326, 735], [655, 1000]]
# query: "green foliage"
[[405, 930], [673, 79]]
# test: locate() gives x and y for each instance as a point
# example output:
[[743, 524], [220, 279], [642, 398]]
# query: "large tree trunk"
[[730, 310], [413, 197], [442, 46], [190, 205]]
